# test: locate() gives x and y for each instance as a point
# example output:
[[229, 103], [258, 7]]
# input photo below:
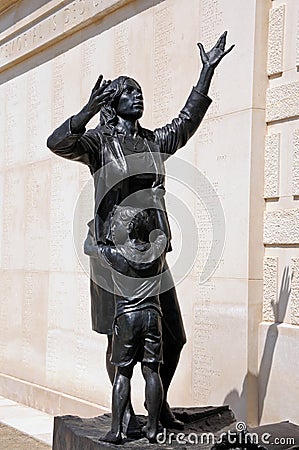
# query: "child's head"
[[139, 227], [128, 223]]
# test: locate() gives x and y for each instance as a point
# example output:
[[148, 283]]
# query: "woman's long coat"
[[102, 150]]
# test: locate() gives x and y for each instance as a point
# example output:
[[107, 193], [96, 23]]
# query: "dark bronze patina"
[[117, 137]]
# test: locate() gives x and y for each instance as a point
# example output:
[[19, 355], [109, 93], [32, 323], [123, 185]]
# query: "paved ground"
[[12, 439], [27, 420]]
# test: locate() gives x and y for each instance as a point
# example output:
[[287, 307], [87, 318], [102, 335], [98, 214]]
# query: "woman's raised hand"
[[99, 96], [214, 56]]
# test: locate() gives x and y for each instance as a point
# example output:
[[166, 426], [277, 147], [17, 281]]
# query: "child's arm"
[[159, 246], [112, 257], [90, 244], [108, 255], [147, 259]]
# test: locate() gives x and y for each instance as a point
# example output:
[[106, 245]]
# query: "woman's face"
[[130, 104]]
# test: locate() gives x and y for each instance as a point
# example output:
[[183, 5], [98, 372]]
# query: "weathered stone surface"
[[48, 27], [281, 227], [295, 292], [282, 102], [270, 288], [272, 150], [74, 433], [295, 169], [275, 40], [203, 427]]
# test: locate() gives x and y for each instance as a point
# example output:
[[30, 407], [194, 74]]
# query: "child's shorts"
[[137, 336]]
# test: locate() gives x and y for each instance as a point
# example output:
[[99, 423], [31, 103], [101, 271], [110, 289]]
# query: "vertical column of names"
[[83, 352], [7, 219], [211, 23], [32, 115], [11, 125], [84, 212], [13, 219], [63, 185], [58, 101], [84, 205], [121, 50], [37, 215], [88, 73], [55, 352], [27, 323], [204, 325], [163, 43], [7, 294], [203, 370]]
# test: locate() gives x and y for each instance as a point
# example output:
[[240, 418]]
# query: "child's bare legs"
[[153, 397], [120, 396], [131, 426]]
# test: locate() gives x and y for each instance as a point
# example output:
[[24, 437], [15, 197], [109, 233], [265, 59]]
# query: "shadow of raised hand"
[[280, 307]]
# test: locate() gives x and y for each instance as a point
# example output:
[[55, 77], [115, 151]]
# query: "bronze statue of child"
[[137, 262]]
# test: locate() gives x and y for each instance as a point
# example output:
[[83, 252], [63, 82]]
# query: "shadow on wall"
[[238, 402], [90, 30]]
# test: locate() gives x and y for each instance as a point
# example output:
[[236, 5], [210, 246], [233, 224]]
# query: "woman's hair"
[[108, 116]]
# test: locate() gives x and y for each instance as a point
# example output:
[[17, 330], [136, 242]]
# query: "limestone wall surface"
[[278, 332], [232, 197]]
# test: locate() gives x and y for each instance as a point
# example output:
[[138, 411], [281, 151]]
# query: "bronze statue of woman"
[[114, 141]]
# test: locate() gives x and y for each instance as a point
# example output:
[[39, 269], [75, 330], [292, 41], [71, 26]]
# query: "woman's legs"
[[174, 338]]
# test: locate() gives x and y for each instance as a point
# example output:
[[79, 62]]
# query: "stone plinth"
[[205, 427], [75, 433]]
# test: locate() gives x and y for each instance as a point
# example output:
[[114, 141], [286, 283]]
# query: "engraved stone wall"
[[49, 61], [70, 17], [162, 48], [121, 50]]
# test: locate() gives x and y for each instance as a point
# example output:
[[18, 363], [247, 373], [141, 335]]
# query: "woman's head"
[[126, 100]]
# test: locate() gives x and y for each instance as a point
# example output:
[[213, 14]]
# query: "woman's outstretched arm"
[[175, 135], [210, 61]]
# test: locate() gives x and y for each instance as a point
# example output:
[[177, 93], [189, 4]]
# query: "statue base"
[[204, 426], [75, 433]]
